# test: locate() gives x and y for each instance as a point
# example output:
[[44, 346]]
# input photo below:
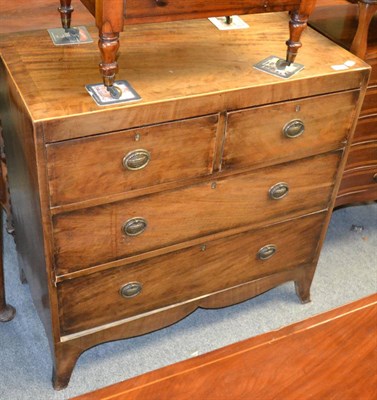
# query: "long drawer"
[[118, 162], [101, 234], [180, 276], [276, 133]]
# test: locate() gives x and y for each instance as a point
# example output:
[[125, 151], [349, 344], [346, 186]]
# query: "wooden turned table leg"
[[7, 312], [297, 24], [109, 21], [367, 9], [296, 27], [65, 10], [109, 45]]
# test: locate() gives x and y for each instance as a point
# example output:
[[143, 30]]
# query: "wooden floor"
[[329, 356]]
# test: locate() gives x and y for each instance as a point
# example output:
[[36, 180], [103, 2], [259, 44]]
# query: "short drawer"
[[105, 233], [86, 168], [170, 10], [104, 297], [286, 131]]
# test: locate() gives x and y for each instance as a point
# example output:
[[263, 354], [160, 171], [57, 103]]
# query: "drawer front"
[[361, 179], [373, 76], [370, 102], [180, 276], [105, 233], [169, 10], [366, 129], [296, 129], [129, 160], [362, 155]]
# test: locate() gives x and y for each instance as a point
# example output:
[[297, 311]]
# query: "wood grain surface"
[[329, 356], [180, 77], [338, 19], [139, 11], [326, 119], [75, 175], [217, 77], [366, 129], [187, 274], [370, 102], [346, 23], [26, 15], [234, 202]]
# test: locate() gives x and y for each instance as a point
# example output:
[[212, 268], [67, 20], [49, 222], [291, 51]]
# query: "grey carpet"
[[347, 271]]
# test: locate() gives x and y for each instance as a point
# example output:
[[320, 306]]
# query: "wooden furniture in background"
[[198, 195], [111, 15], [367, 10], [7, 312], [317, 358], [354, 26], [26, 15]]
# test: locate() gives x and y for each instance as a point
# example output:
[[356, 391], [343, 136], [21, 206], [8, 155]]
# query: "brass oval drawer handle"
[[374, 178], [294, 128], [278, 191], [134, 226], [136, 159], [266, 252], [131, 289]]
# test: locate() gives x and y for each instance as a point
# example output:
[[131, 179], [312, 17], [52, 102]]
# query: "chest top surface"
[[180, 69]]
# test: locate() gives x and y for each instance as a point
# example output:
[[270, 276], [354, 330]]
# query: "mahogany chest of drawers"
[[214, 187]]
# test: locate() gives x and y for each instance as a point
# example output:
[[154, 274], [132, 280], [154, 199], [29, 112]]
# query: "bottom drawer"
[[180, 276]]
